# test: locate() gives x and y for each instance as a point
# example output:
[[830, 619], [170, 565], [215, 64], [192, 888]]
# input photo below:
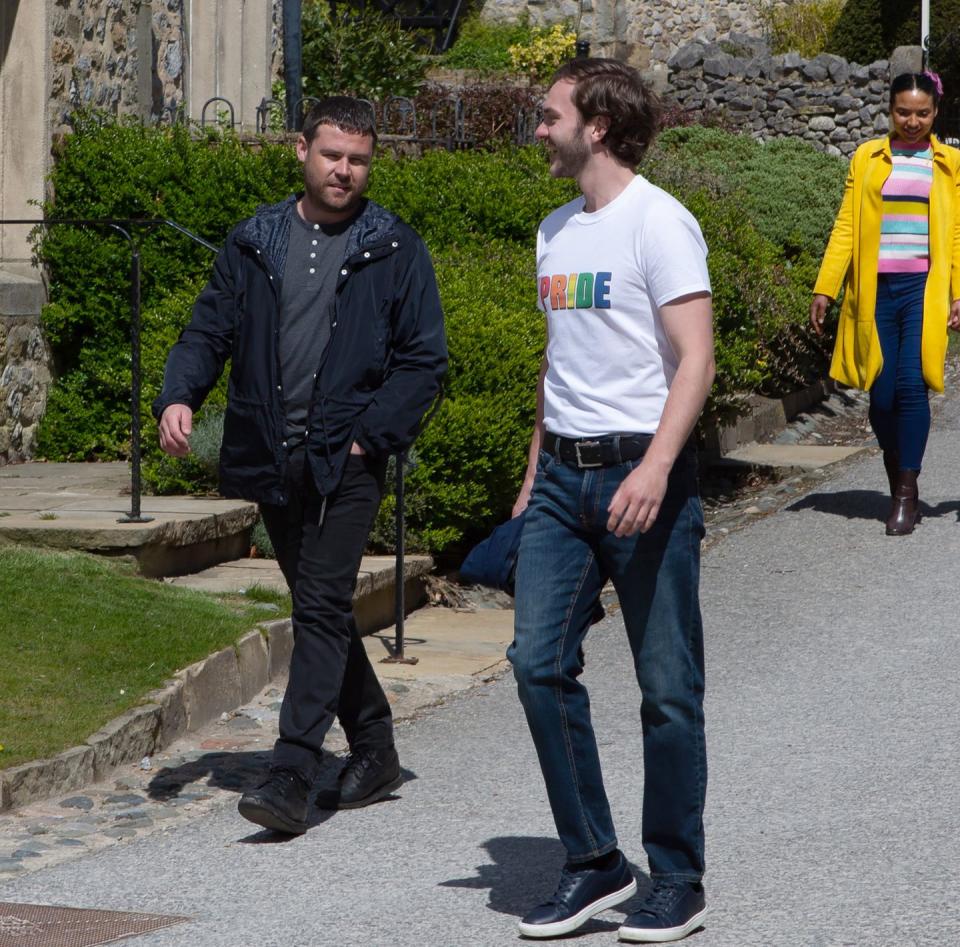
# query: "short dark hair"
[[923, 81], [348, 114], [614, 89]]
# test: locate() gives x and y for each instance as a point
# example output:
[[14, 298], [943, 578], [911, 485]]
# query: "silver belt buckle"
[[580, 461]]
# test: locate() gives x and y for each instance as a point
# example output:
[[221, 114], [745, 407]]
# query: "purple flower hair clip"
[[935, 79]]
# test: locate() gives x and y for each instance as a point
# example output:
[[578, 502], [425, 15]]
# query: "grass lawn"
[[83, 638]]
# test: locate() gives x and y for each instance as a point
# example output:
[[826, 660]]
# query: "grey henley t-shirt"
[[314, 257]]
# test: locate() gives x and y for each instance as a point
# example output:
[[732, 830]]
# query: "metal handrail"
[[125, 226]]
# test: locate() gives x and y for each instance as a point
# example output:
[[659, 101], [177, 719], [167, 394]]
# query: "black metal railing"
[[126, 227], [447, 123]]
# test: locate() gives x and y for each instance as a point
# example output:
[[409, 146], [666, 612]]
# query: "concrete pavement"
[[833, 813]]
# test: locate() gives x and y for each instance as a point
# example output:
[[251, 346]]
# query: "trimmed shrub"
[[361, 53], [453, 197], [488, 117], [790, 191], [484, 46], [866, 28], [123, 171]]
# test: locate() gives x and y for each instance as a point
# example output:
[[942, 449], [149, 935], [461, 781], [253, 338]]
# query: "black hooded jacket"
[[380, 371]]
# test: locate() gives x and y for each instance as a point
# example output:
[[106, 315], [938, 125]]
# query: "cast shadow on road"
[[524, 873], [867, 505], [239, 771]]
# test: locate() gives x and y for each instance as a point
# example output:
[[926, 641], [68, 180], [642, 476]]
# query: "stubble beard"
[[334, 202], [570, 158]]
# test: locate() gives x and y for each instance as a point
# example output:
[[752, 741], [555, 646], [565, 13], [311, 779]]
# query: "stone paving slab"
[[205, 771], [445, 641], [35, 477], [78, 506], [791, 457]]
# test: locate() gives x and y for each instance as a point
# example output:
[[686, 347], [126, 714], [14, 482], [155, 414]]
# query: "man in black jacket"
[[327, 306]]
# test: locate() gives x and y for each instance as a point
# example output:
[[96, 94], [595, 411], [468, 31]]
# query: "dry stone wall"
[[832, 103]]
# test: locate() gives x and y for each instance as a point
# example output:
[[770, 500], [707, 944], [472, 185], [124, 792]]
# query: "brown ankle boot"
[[905, 509], [891, 463]]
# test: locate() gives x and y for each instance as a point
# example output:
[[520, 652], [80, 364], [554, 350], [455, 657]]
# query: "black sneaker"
[[367, 776], [670, 911], [579, 896], [279, 802]]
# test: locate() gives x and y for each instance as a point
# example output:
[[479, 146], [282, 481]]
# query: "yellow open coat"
[[855, 240]]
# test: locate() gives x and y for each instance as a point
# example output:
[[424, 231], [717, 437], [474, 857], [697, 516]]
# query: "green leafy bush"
[[871, 29], [452, 197], [470, 459], [765, 211], [544, 52], [124, 171], [484, 45], [357, 53], [790, 191], [804, 26]]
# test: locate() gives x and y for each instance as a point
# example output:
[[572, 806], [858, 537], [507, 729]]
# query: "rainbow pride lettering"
[[576, 291]]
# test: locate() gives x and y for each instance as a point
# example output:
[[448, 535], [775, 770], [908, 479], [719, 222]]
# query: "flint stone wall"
[[24, 367], [126, 57], [832, 103], [645, 33], [102, 56]]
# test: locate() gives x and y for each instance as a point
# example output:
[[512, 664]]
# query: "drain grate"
[[38, 925]]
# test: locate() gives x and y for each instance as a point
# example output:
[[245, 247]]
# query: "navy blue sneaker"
[[670, 911], [579, 896]]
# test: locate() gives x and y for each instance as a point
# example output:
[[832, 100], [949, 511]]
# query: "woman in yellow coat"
[[895, 252]]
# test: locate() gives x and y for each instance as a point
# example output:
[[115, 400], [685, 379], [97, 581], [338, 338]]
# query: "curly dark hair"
[[612, 88], [348, 114]]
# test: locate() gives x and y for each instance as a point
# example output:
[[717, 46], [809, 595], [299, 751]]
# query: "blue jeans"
[[899, 406], [565, 554]]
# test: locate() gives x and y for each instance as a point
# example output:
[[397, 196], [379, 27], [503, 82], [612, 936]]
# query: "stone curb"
[[194, 697], [765, 418]]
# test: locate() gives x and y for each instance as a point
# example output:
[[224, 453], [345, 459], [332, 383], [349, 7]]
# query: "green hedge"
[[789, 191], [765, 211], [130, 171]]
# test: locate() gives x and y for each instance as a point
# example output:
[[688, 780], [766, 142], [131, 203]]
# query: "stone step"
[[373, 600], [77, 506]]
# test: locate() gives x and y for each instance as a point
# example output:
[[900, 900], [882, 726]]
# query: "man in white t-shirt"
[[611, 491]]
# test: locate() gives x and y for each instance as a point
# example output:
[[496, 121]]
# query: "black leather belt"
[[596, 451]]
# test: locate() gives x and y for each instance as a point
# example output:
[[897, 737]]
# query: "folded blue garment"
[[494, 561]]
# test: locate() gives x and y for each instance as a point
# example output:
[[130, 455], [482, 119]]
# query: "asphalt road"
[[833, 812]]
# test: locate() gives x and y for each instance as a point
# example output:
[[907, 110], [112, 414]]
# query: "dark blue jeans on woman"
[[899, 406], [565, 552]]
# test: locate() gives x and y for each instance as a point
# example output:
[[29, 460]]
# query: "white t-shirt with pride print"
[[601, 279]]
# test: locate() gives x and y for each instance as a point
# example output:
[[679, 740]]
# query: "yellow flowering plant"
[[546, 50]]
